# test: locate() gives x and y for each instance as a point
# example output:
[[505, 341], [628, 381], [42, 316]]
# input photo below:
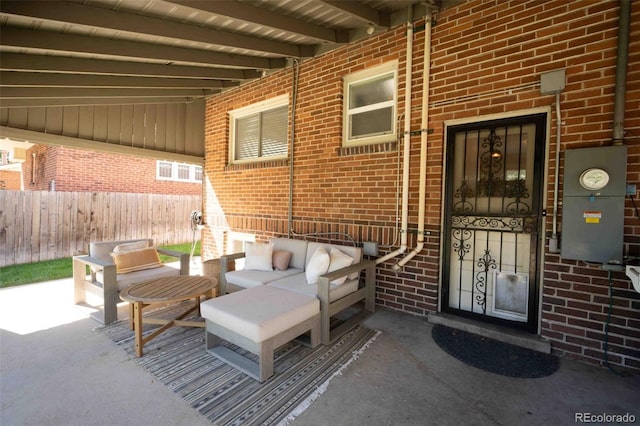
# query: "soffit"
[[55, 53]]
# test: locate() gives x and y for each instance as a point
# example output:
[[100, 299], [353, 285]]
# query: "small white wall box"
[[370, 248], [510, 295], [552, 82]]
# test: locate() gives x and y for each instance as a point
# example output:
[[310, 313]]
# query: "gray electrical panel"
[[593, 204]]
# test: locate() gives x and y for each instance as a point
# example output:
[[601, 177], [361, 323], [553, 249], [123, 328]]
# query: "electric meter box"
[[594, 188]]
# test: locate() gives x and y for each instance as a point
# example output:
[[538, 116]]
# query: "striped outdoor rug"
[[227, 396]]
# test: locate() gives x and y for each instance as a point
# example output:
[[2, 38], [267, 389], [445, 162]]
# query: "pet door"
[[510, 295]]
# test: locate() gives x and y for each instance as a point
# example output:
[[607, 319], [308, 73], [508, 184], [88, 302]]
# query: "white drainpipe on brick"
[[423, 143], [407, 145]]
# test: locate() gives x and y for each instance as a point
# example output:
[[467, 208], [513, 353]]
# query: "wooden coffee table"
[[165, 290]]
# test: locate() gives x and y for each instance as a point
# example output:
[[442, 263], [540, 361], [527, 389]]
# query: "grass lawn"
[[47, 270]]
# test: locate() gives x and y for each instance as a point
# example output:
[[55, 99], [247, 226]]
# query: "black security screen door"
[[492, 220]]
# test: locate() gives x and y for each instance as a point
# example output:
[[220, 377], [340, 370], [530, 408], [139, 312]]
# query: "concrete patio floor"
[[55, 370]]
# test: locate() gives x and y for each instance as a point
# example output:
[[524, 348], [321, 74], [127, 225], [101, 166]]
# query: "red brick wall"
[[91, 171], [486, 58], [10, 180], [483, 47]]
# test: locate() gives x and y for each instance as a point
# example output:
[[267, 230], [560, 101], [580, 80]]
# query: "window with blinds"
[[259, 132]]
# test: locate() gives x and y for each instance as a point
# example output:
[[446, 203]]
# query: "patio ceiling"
[[83, 72], [135, 51]]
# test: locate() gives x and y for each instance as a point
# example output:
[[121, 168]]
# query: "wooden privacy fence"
[[41, 225]]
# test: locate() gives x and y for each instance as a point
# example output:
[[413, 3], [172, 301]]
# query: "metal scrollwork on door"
[[494, 179], [464, 192], [460, 243], [524, 225], [486, 262]]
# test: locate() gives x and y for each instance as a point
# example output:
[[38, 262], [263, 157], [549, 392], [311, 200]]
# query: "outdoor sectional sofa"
[[336, 290], [106, 280]]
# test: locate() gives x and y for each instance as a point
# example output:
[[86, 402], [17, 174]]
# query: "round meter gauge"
[[594, 179]]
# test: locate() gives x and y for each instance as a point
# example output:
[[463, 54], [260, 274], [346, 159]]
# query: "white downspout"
[[423, 143], [553, 241], [407, 144]]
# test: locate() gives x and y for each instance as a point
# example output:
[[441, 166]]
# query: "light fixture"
[[370, 29]]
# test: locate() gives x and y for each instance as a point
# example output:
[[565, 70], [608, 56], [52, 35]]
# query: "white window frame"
[[174, 172], [252, 109], [386, 69]]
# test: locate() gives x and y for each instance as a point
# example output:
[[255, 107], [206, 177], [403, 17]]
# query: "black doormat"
[[494, 356]]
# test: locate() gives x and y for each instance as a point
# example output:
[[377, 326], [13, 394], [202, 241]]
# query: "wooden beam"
[[259, 16], [32, 102], [62, 64], [99, 17], [79, 92], [40, 79], [361, 11], [48, 40]]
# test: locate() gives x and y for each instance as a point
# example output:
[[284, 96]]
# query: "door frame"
[[547, 110]]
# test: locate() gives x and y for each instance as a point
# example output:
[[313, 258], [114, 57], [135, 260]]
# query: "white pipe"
[[407, 145], [423, 143], [553, 241]]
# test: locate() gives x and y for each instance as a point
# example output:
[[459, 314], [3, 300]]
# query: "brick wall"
[[486, 58], [91, 171], [10, 179]]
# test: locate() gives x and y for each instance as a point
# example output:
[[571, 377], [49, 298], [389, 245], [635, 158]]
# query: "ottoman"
[[260, 320]]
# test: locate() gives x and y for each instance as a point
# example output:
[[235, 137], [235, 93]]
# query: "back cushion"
[[102, 250], [136, 260], [298, 249], [354, 252]]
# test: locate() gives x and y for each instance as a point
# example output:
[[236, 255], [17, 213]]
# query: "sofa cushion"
[[281, 259], [297, 284], [248, 279], [260, 313], [136, 245], [125, 280], [354, 252], [298, 249], [259, 257], [339, 260], [102, 250], [136, 260], [317, 265]]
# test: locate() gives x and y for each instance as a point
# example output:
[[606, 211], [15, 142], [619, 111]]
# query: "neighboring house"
[[12, 155], [60, 168], [487, 123]]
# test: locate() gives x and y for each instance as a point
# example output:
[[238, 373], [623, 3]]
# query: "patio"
[[57, 370]]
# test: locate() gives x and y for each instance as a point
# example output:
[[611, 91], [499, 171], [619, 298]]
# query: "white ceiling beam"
[[82, 14], [361, 11], [48, 40], [75, 92], [26, 102], [39, 79], [255, 15], [61, 64]]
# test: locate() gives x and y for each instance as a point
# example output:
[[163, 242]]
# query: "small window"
[[165, 170], [370, 98], [168, 170], [259, 131]]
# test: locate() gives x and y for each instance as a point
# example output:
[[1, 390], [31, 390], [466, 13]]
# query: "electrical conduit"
[[553, 241], [423, 144], [407, 145]]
